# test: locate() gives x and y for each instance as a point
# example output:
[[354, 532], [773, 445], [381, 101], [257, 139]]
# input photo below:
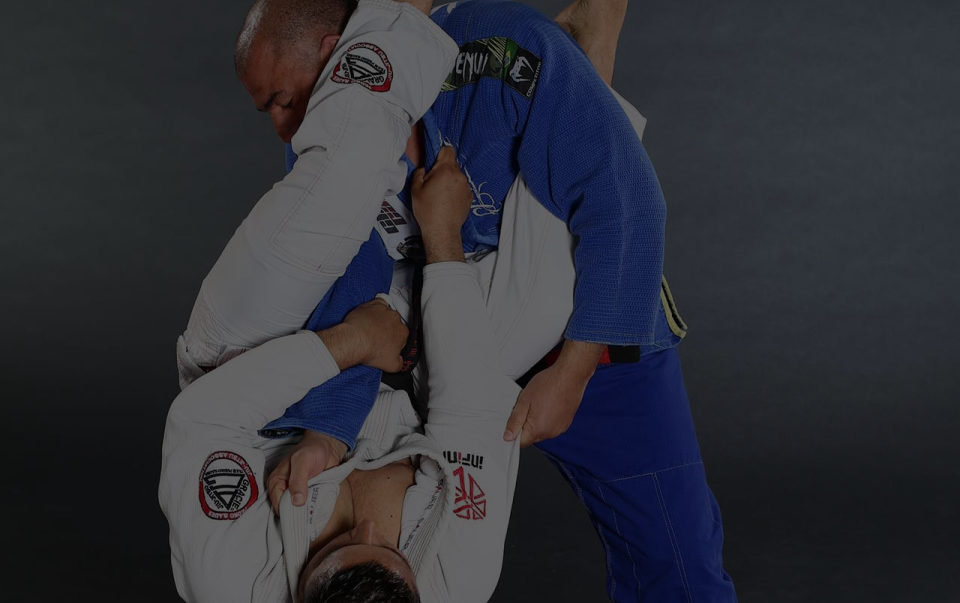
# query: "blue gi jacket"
[[524, 98]]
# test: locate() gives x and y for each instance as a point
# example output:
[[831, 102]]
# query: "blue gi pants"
[[632, 457]]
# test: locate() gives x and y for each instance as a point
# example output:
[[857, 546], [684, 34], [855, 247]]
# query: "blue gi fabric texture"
[[566, 132], [524, 98], [631, 455], [340, 406], [289, 157]]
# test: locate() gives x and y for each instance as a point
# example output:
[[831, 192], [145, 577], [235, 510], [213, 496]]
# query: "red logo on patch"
[[227, 486], [471, 502], [364, 64]]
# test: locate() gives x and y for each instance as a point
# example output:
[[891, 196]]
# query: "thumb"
[[419, 177], [517, 418], [446, 155], [301, 467]]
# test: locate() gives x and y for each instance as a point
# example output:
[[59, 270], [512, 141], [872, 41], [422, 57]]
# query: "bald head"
[[281, 51], [290, 27]]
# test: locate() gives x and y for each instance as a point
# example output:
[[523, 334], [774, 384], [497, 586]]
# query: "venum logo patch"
[[228, 486], [522, 70], [498, 58], [470, 502], [364, 64]]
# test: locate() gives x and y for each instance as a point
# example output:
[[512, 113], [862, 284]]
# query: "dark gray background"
[[807, 152]]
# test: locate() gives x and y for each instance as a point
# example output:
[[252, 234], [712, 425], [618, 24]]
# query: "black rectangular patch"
[[499, 58]]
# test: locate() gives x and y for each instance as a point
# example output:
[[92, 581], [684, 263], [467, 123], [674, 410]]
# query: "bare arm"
[[595, 25]]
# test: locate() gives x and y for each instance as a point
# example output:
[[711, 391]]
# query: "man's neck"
[[376, 495], [416, 145]]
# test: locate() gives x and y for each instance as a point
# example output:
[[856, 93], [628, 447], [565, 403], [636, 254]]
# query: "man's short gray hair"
[[290, 25]]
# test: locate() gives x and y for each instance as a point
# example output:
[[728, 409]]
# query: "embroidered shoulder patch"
[[228, 486], [499, 58], [364, 64]]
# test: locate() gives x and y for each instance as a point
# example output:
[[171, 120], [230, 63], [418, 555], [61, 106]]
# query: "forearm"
[[441, 204], [596, 25], [443, 247], [578, 359], [343, 346]]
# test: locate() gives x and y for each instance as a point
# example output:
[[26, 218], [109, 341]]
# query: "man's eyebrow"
[[266, 106]]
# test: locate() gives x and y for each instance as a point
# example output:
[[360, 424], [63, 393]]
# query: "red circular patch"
[[364, 64], [228, 486]]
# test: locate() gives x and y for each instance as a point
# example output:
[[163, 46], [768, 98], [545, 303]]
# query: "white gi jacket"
[[384, 74], [303, 233], [226, 542]]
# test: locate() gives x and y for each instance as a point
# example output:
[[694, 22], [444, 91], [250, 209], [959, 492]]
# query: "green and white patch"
[[499, 58]]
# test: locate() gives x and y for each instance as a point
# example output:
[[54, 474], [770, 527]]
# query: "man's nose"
[[281, 123]]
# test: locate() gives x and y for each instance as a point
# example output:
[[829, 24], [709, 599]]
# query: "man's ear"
[[327, 45]]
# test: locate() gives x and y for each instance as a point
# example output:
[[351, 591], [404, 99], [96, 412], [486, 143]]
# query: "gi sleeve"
[[224, 539], [385, 73], [583, 160], [470, 401], [339, 407]]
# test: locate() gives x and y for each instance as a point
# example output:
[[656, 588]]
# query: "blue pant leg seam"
[[616, 524], [649, 473], [673, 538], [596, 522]]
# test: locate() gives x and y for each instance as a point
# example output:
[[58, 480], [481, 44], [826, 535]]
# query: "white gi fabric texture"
[[302, 234], [528, 281], [456, 552]]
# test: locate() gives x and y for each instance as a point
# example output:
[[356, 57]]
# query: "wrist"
[[336, 449], [578, 359], [342, 343], [443, 246]]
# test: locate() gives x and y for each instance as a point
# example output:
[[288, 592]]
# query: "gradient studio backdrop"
[[808, 154]]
